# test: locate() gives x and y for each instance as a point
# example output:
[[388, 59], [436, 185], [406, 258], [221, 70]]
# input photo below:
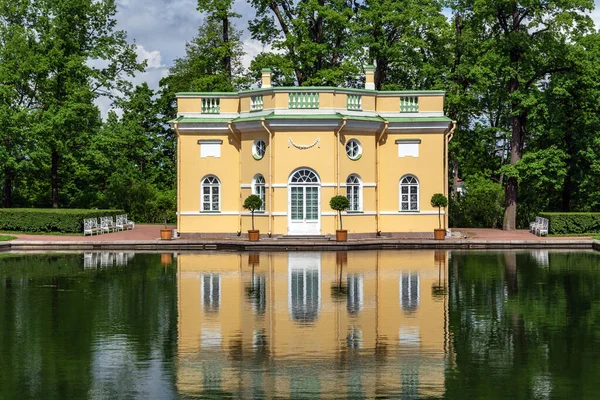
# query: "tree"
[[530, 42], [252, 203], [439, 200], [408, 45], [339, 203], [312, 41], [85, 58]]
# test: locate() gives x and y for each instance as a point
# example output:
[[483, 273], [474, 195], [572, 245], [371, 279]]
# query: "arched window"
[[304, 176], [211, 193], [354, 192], [258, 188], [409, 193]]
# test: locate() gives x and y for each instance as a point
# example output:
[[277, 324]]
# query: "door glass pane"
[[297, 203], [312, 203]]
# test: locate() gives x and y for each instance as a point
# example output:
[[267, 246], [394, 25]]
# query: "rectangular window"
[[210, 148], [352, 193], [408, 147]]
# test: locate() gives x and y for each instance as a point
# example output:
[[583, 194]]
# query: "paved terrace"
[[146, 237]]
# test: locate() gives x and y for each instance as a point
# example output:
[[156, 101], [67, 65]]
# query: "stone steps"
[[303, 237]]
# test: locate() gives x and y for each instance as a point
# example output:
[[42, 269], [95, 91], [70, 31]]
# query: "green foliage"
[[49, 220], [5, 238], [252, 203], [166, 204], [339, 203], [439, 200], [572, 223], [480, 207]]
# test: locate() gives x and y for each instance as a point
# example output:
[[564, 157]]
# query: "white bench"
[[90, 226], [541, 229]]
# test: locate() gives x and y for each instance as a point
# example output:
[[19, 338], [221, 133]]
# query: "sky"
[[161, 28]]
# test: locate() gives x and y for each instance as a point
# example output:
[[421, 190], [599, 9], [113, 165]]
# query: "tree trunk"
[[8, 181], [54, 178], [516, 153], [227, 57]]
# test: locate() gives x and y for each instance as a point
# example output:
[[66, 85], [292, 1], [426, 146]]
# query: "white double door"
[[304, 205]]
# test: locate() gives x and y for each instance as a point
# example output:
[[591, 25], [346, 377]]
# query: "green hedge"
[[49, 219], [572, 223]]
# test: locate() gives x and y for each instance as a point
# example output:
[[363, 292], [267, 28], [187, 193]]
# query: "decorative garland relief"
[[302, 147]]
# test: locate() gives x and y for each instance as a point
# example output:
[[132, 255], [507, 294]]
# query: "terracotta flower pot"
[[439, 234], [166, 234], [253, 235], [341, 236]]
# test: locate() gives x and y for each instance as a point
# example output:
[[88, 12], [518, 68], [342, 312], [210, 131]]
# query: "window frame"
[[359, 149], [409, 185], [255, 149], [203, 184], [358, 186], [256, 185]]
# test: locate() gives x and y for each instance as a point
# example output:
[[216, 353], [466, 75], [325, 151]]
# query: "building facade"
[[296, 147]]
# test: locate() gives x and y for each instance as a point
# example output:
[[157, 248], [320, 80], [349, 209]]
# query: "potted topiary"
[[165, 203], [253, 203], [439, 200], [339, 204]]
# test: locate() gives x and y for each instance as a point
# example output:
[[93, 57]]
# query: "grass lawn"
[[4, 238]]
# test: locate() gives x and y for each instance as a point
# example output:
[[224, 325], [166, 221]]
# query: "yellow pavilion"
[[296, 147]]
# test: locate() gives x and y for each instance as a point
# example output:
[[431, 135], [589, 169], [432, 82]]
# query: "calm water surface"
[[411, 324]]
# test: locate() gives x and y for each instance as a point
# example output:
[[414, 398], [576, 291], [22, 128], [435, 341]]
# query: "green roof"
[[336, 116], [315, 88], [419, 119], [202, 120]]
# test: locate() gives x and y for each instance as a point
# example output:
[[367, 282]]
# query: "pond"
[[381, 324]]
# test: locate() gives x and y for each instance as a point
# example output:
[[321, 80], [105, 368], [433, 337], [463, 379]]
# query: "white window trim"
[[400, 194], [254, 149], [264, 186], [210, 141], [360, 191], [360, 149], [202, 185]]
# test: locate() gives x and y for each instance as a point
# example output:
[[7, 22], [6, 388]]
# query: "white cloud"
[[153, 58]]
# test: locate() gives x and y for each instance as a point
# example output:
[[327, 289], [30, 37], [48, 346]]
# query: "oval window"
[[258, 149], [353, 149]]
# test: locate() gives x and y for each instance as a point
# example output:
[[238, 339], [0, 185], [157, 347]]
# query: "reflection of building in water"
[[105, 259], [304, 324]]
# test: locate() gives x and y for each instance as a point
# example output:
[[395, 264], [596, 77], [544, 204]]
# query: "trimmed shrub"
[[49, 219], [572, 222]]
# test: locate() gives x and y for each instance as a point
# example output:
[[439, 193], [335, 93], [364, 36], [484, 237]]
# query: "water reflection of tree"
[[524, 328], [63, 315]]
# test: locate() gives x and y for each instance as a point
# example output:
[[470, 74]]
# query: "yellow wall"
[[236, 168], [211, 339], [186, 104], [431, 103]]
